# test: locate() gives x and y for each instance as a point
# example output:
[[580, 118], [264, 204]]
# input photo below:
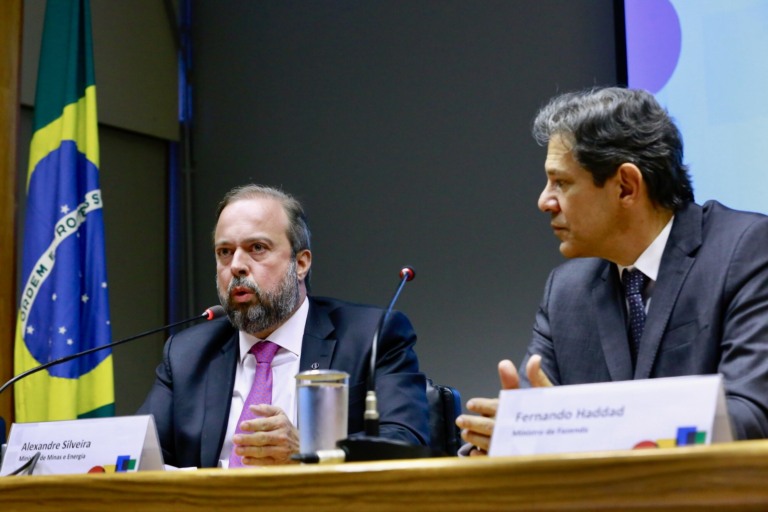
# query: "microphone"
[[371, 417], [209, 314], [370, 446]]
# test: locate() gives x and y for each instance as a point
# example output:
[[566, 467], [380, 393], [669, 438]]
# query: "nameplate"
[[650, 413], [98, 445]]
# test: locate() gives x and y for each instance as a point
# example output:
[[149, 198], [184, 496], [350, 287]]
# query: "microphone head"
[[214, 312], [407, 273]]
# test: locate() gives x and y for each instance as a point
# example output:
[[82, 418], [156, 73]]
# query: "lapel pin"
[[315, 366]]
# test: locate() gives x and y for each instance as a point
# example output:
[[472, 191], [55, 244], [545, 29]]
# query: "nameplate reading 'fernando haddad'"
[[565, 414], [611, 416]]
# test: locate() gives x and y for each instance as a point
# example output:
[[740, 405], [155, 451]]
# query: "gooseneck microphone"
[[208, 314], [371, 417], [370, 446]]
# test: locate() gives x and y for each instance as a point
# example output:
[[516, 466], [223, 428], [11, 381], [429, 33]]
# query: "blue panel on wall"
[[705, 60]]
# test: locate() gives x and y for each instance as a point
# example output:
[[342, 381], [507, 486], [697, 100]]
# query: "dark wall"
[[404, 127]]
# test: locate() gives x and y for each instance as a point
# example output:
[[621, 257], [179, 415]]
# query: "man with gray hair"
[[274, 330], [656, 285]]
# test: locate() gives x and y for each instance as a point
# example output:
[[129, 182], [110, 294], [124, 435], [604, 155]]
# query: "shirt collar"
[[650, 260], [289, 335]]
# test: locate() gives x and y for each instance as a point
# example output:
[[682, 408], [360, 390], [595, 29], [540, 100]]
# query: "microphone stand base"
[[369, 448]]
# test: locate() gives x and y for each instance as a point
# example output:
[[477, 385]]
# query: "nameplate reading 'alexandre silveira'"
[[98, 445]]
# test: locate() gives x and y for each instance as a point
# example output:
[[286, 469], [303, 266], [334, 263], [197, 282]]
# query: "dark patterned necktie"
[[261, 390], [634, 282]]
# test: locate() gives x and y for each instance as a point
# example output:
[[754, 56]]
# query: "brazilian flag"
[[64, 305]]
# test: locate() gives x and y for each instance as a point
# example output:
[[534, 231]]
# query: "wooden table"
[[730, 476]]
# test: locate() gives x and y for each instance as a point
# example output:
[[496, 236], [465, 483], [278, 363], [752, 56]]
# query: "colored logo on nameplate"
[[686, 436], [123, 464]]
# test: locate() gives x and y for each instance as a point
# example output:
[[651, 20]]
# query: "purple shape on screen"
[[653, 43]]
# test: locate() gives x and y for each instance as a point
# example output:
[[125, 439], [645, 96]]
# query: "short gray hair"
[[607, 127]]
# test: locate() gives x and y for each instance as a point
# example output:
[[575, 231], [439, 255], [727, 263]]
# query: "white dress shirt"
[[285, 366], [650, 260]]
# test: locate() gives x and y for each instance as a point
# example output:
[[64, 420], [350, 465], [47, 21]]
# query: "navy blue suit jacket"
[[708, 314], [192, 393]]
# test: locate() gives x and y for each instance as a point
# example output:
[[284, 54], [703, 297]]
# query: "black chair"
[[444, 408]]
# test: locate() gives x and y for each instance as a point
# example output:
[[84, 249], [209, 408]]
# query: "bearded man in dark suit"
[[263, 259]]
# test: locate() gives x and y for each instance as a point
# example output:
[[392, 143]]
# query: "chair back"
[[444, 408]]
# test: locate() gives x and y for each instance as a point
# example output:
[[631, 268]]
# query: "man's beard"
[[271, 308]]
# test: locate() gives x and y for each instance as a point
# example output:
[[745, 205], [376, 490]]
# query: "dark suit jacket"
[[191, 397], [708, 314]]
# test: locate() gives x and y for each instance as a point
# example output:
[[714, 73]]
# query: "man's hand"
[[535, 374], [267, 440], [477, 430]]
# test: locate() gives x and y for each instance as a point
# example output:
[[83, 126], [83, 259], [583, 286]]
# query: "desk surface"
[[730, 476]]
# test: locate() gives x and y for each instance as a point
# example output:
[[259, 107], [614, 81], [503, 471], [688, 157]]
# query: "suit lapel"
[[218, 398], [318, 343], [611, 324], [676, 262]]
